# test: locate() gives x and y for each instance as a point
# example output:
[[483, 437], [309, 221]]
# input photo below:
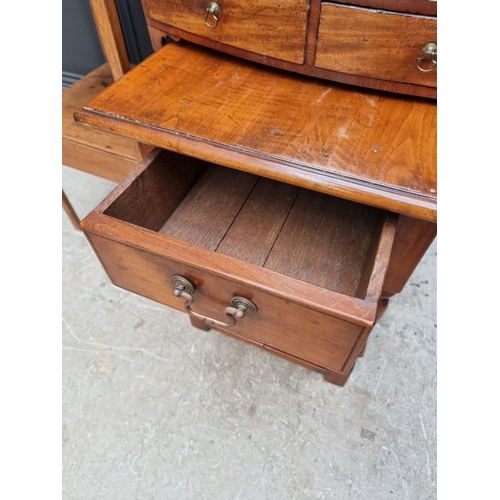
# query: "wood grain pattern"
[[381, 253], [319, 338], [412, 239], [319, 268], [424, 7], [78, 95], [110, 34], [158, 31], [106, 155], [96, 161], [324, 241], [207, 212], [350, 309], [373, 43], [371, 258], [312, 34], [308, 236], [157, 191], [253, 26], [361, 146], [254, 231], [70, 211]]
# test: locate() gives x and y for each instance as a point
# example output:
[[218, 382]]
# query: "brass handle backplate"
[[212, 15], [427, 61], [240, 307]]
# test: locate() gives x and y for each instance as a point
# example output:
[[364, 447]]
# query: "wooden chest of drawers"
[[278, 209], [381, 44]]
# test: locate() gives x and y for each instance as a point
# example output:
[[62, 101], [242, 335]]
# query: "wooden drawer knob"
[[240, 307]]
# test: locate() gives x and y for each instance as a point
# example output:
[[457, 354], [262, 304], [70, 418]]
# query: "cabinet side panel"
[[413, 238]]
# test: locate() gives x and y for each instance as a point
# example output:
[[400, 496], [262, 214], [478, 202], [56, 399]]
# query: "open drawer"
[[311, 265]]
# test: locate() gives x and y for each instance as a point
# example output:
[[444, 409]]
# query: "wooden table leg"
[[337, 378], [198, 323], [68, 208]]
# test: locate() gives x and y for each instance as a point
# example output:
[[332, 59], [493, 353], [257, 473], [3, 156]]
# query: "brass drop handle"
[[240, 307], [429, 53], [212, 12]]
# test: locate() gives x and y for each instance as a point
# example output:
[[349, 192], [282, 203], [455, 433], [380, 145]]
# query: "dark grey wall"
[[81, 51]]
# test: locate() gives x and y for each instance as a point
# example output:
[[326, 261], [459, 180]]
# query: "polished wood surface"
[[260, 47], [298, 330], [79, 94], [368, 42], [362, 146], [425, 7], [100, 153], [68, 208], [245, 24], [96, 161], [108, 27], [159, 35], [412, 240]]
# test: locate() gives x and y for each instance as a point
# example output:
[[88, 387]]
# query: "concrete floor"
[[154, 409]]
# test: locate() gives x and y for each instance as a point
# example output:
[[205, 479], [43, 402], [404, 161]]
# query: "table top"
[[367, 146]]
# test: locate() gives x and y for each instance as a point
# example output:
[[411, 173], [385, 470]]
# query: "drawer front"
[[291, 328], [269, 28], [376, 44], [281, 324]]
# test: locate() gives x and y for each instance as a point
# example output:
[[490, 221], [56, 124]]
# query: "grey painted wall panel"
[[81, 50]]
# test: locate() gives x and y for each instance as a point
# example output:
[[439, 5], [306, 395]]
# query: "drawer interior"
[[309, 236]]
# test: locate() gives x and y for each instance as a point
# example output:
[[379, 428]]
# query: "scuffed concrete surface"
[[154, 409]]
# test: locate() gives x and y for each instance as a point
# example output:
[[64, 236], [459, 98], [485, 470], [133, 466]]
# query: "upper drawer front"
[[267, 27], [376, 44]]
